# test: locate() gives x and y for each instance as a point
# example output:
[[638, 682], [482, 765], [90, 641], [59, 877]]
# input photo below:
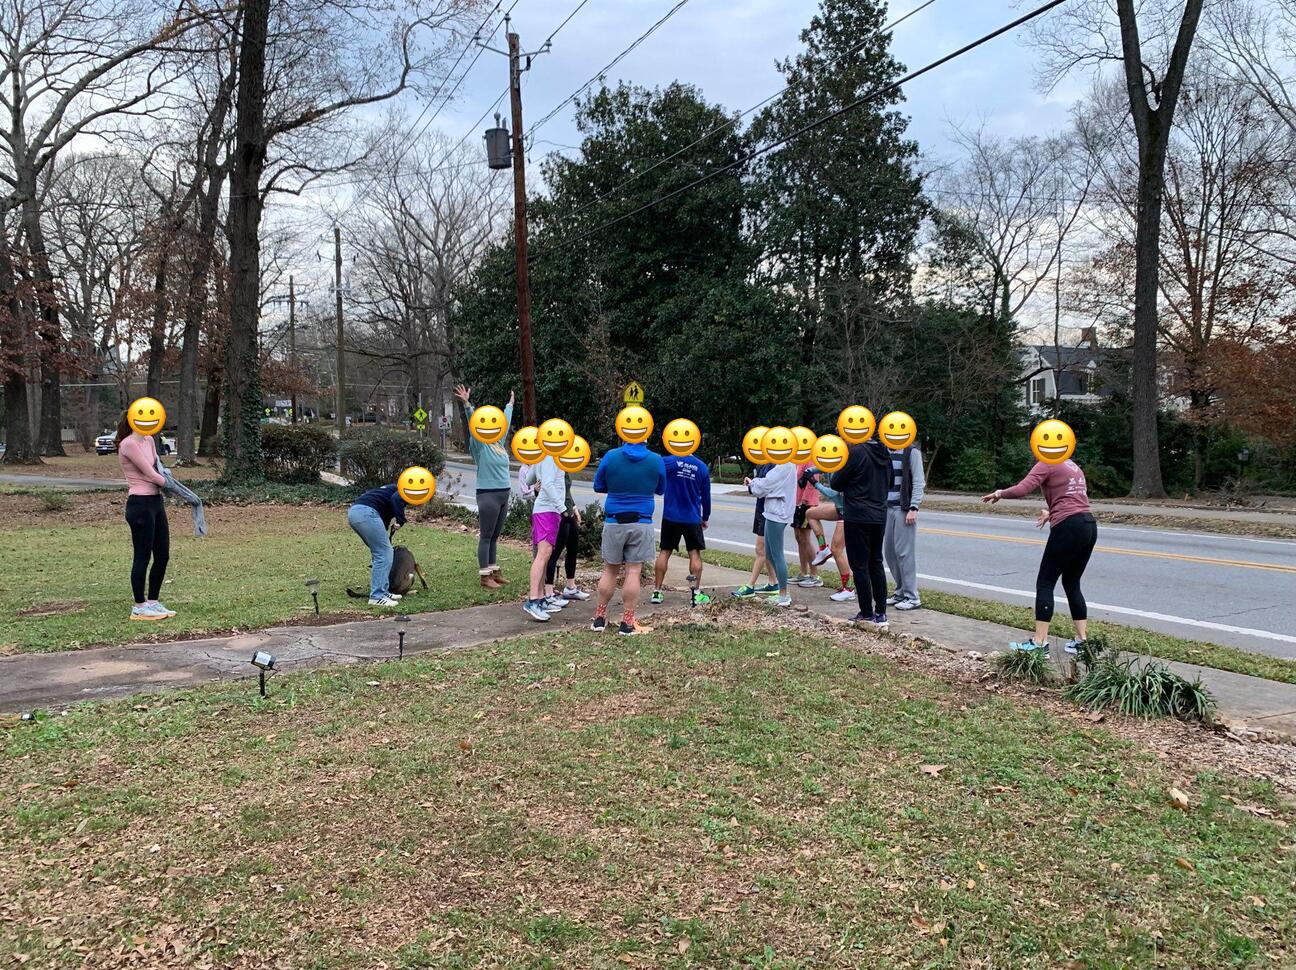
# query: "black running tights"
[[564, 547], [150, 537], [1066, 554]]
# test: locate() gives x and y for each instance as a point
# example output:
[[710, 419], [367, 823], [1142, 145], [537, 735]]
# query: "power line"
[[806, 128], [737, 118], [607, 67], [566, 20]]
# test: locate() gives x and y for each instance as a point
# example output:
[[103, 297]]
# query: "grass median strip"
[[1127, 638], [709, 797]]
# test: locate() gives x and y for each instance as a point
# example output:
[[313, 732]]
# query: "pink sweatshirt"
[[1063, 486], [808, 495], [138, 456]]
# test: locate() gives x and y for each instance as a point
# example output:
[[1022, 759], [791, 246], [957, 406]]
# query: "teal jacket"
[[492, 461]]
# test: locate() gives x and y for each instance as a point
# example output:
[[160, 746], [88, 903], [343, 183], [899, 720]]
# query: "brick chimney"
[[1088, 338]]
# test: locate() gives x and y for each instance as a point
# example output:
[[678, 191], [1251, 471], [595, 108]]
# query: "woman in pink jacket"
[[1072, 535], [146, 516]]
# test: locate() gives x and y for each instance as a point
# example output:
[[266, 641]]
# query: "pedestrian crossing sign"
[[420, 416], [634, 393]]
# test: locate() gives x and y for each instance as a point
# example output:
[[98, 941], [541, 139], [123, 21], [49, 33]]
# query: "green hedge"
[[371, 458], [296, 454]]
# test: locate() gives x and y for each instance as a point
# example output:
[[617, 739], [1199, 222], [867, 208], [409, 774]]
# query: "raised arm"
[[1034, 478]]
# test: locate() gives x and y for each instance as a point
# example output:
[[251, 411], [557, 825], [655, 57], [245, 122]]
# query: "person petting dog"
[[146, 516], [370, 517]]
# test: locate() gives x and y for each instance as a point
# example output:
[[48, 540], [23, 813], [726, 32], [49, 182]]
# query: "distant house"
[[1068, 373]]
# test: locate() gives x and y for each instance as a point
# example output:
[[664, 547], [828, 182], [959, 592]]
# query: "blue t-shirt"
[[688, 490], [386, 502], [630, 476]]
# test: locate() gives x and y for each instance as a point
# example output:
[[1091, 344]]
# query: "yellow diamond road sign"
[[420, 415], [634, 393]]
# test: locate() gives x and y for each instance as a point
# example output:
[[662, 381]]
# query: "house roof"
[[1071, 358]]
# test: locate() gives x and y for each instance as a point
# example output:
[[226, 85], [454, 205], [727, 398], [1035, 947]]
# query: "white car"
[[106, 444]]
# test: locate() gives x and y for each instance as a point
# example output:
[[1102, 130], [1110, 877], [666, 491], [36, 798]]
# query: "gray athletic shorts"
[[627, 542]]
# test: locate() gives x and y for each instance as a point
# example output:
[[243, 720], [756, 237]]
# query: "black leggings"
[[568, 540], [150, 537], [864, 553], [1066, 554]]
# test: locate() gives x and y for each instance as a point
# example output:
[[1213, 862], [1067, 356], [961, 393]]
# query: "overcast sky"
[[728, 49]]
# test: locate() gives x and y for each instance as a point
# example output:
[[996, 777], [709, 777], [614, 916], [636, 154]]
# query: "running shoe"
[[395, 596], [552, 604], [627, 630], [783, 602], [799, 578], [1028, 645], [1073, 646], [140, 612], [535, 609], [160, 607], [575, 594], [701, 599], [657, 597], [908, 604], [599, 624], [384, 601], [879, 621], [768, 588], [811, 582], [742, 592], [822, 556], [861, 618], [843, 596]]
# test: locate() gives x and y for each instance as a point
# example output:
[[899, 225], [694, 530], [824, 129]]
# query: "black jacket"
[[864, 482]]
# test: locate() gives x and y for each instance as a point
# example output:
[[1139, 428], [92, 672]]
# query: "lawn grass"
[[88, 464], [1127, 638], [249, 572], [698, 797]]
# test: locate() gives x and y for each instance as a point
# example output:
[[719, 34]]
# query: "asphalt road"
[[1231, 590]]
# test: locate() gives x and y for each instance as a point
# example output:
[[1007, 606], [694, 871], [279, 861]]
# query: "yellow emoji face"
[[754, 444], [487, 424], [805, 439], [416, 485], [779, 445], [526, 445], [898, 430], [576, 457], [634, 424], [146, 416], [855, 424], [681, 437], [1053, 441], [829, 453], [556, 436]]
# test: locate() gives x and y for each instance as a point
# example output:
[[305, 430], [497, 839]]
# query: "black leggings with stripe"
[[1070, 543]]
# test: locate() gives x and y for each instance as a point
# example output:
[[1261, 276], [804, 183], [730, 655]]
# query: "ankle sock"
[[628, 618], [600, 610]]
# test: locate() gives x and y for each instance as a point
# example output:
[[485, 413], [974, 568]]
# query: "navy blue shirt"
[[386, 502], [688, 491]]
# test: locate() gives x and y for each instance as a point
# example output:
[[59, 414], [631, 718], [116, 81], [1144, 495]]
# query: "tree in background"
[[841, 206]]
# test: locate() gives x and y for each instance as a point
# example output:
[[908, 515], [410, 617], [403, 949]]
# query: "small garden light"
[[400, 633], [693, 590], [313, 586], [263, 661]]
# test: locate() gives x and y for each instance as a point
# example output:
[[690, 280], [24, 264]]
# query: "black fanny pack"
[[626, 518]]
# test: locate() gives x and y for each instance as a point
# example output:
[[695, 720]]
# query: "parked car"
[[106, 444]]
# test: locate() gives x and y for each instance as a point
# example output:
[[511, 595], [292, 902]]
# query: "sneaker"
[[701, 599], [1073, 646], [767, 588], [810, 582], [893, 599], [798, 579], [142, 613], [908, 604], [535, 609], [159, 607], [599, 624], [879, 621], [657, 597], [861, 618], [843, 596], [1028, 645], [626, 630], [384, 601], [396, 596], [783, 602], [552, 604], [822, 556], [575, 594], [742, 592]]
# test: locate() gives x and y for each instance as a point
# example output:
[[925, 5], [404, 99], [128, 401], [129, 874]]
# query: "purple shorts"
[[544, 527]]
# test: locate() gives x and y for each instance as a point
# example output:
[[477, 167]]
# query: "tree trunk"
[[157, 333], [209, 440], [242, 363], [1147, 481], [49, 329], [19, 449], [195, 308]]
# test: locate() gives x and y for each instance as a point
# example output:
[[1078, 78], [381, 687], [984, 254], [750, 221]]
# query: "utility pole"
[[520, 231], [341, 357], [292, 340]]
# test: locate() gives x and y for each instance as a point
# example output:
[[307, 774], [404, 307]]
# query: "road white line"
[[1123, 610], [1002, 519]]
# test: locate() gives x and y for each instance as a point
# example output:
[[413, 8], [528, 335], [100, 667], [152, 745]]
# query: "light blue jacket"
[[492, 461]]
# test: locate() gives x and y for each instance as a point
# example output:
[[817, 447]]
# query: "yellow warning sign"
[[634, 393]]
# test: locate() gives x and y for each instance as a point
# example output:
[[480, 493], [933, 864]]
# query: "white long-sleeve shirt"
[[778, 489], [544, 480]]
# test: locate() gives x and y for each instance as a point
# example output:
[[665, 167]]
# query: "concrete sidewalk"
[[28, 681]]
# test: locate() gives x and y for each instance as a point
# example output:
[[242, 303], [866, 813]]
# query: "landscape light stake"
[[313, 586], [693, 590], [400, 633], [263, 661]]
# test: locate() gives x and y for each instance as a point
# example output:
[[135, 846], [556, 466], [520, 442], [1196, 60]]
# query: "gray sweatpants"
[[492, 508], [898, 548]]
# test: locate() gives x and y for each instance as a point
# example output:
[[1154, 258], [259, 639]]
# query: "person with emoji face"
[[145, 509], [863, 482], [488, 429], [1073, 531], [898, 432], [543, 481]]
